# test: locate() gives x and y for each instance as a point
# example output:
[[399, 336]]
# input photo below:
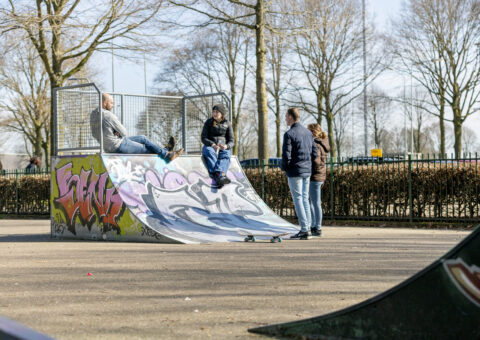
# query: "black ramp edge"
[[440, 302], [11, 330]]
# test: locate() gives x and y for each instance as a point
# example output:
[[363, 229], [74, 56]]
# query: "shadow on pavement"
[[26, 238]]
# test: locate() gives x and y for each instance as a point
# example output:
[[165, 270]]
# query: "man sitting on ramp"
[[115, 138]]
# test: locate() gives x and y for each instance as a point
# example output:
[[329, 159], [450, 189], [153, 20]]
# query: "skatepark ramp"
[[11, 330], [141, 198], [440, 302]]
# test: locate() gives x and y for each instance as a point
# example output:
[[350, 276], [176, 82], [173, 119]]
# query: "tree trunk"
[[260, 77], [278, 122], [442, 126]]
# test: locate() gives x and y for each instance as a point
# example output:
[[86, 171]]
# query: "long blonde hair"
[[317, 131]]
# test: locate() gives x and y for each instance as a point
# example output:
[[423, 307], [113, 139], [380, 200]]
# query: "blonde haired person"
[[319, 175]]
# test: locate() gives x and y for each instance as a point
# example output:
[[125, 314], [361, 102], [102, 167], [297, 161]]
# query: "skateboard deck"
[[252, 237]]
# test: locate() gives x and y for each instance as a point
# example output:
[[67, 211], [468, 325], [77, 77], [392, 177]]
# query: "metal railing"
[[155, 116], [24, 192], [428, 189]]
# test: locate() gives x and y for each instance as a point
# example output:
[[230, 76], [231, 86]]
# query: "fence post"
[[331, 189], [410, 200], [263, 180], [16, 191]]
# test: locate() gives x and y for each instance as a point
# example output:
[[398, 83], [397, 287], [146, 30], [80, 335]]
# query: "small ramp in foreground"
[[141, 198], [440, 302]]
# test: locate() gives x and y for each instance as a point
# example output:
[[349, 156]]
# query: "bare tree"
[[215, 58], [470, 141], [72, 30], [26, 103], [379, 109], [438, 40], [327, 48], [250, 15]]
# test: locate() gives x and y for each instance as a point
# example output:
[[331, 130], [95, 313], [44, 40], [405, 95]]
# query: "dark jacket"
[[319, 169], [298, 150], [218, 133]]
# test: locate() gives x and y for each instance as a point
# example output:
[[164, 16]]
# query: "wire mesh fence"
[[154, 116]]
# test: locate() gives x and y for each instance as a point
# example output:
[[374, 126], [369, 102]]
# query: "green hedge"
[[425, 191], [24, 194]]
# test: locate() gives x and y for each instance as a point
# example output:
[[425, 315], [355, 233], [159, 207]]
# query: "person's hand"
[[223, 147], [215, 147]]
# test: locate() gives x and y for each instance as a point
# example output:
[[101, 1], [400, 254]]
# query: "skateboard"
[[249, 237]]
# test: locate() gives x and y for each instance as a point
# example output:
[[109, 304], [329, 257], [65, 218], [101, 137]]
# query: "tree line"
[[267, 55]]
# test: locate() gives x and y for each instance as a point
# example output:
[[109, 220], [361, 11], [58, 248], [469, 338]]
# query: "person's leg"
[[150, 146], [316, 206], [211, 157], [223, 161], [306, 202], [132, 147], [295, 184]]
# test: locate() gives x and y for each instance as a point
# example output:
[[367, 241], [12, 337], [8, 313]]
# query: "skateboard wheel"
[[246, 239], [272, 240], [280, 239], [253, 239]]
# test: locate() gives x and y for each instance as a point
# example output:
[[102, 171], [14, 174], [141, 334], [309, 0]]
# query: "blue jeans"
[[214, 163], [141, 144], [316, 204], [299, 187]]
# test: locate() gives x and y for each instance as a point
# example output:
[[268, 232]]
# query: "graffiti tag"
[[86, 195]]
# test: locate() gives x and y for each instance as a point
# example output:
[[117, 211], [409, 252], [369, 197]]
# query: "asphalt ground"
[[207, 291]]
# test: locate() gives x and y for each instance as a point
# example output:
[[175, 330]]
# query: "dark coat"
[[298, 150], [218, 133], [319, 169]]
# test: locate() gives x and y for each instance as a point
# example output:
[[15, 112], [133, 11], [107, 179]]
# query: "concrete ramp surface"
[[141, 198], [440, 302]]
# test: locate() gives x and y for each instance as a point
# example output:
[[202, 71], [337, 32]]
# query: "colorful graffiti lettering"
[[86, 195]]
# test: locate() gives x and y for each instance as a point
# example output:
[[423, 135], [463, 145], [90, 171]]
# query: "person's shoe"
[[301, 235], [171, 144], [171, 155], [224, 180], [316, 232]]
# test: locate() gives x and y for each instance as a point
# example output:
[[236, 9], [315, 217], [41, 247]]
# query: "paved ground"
[[212, 291]]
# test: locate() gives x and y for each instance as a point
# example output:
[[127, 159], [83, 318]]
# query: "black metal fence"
[[427, 189], [25, 192]]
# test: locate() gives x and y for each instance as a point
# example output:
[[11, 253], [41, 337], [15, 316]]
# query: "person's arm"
[[229, 137], [115, 124], [205, 140], [314, 150], [286, 152]]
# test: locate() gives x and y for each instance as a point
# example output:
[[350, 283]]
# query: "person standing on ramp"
[[217, 137], [298, 152]]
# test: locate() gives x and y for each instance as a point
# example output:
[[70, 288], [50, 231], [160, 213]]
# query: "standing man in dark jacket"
[[217, 136], [298, 151]]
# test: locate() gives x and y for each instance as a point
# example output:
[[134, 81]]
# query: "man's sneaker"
[[171, 144], [302, 235], [316, 232], [224, 180], [172, 155]]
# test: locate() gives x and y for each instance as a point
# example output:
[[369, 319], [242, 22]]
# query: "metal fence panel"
[[197, 109], [73, 105]]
